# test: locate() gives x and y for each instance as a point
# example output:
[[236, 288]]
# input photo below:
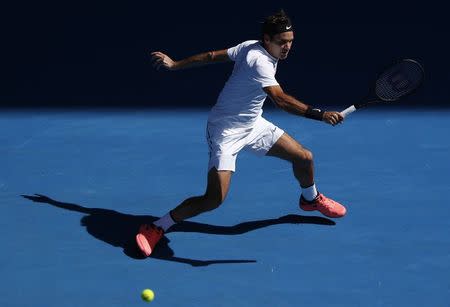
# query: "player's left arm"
[[292, 105], [163, 60]]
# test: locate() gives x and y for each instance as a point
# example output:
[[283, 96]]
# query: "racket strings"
[[399, 80]]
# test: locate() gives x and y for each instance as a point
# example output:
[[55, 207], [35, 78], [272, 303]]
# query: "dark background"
[[97, 54]]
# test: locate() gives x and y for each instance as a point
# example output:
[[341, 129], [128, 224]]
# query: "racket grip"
[[349, 110]]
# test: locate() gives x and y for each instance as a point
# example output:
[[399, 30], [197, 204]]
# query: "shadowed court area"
[[119, 229]]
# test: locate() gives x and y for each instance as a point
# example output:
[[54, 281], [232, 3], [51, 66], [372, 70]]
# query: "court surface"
[[90, 178]]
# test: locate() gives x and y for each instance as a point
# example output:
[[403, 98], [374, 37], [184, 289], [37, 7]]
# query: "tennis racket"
[[397, 81]]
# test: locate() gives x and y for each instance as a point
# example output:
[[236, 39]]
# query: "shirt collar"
[[274, 59]]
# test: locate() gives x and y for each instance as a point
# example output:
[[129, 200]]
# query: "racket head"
[[399, 80]]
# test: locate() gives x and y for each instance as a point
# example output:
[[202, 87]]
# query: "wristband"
[[316, 114]]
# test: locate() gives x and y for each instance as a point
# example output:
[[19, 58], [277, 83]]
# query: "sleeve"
[[233, 52], [265, 73]]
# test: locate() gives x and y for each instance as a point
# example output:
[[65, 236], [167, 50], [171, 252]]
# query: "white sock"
[[165, 222], [309, 193]]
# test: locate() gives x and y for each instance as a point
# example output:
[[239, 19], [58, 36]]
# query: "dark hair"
[[277, 23]]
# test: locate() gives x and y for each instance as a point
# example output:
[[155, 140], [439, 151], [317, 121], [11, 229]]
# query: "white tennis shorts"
[[225, 143]]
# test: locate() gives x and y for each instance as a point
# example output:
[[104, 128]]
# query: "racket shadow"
[[119, 229]]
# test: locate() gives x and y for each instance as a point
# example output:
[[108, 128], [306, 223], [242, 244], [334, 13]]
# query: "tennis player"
[[235, 122]]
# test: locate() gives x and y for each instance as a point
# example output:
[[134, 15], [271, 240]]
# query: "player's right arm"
[[160, 59], [292, 105]]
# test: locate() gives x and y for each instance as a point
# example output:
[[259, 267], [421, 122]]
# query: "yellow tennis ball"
[[147, 295]]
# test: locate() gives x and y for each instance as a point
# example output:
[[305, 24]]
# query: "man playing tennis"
[[235, 123]]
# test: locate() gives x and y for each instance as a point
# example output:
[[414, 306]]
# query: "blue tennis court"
[[75, 186]]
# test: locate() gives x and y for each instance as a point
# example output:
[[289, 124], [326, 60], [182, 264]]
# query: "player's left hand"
[[333, 118], [160, 59]]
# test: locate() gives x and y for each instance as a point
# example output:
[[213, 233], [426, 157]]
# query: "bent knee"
[[304, 156], [213, 201]]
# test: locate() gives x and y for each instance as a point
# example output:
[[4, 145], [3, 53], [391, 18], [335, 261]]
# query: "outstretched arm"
[[294, 106], [163, 60]]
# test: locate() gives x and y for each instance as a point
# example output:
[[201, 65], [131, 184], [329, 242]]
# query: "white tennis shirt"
[[241, 99]]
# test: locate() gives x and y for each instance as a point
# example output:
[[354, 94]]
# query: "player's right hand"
[[160, 59], [333, 118]]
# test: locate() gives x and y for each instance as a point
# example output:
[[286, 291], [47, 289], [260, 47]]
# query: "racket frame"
[[366, 102]]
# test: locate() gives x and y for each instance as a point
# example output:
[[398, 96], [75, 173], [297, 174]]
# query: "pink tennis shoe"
[[148, 237], [324, 205]]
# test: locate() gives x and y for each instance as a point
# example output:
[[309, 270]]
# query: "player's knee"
[[304, 156], [308, 156], [213, 201]]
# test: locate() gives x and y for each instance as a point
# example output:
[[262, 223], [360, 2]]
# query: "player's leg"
[[223, 150], [288, 149], [216, 191], [267, 139]]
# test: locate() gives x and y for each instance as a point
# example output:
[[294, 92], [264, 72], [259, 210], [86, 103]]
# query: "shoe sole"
[[143, 245], [327, 215]]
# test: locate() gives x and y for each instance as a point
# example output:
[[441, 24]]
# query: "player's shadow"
[[119, 229]]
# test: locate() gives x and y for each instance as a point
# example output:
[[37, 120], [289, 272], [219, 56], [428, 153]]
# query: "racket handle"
[[349, 110]]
